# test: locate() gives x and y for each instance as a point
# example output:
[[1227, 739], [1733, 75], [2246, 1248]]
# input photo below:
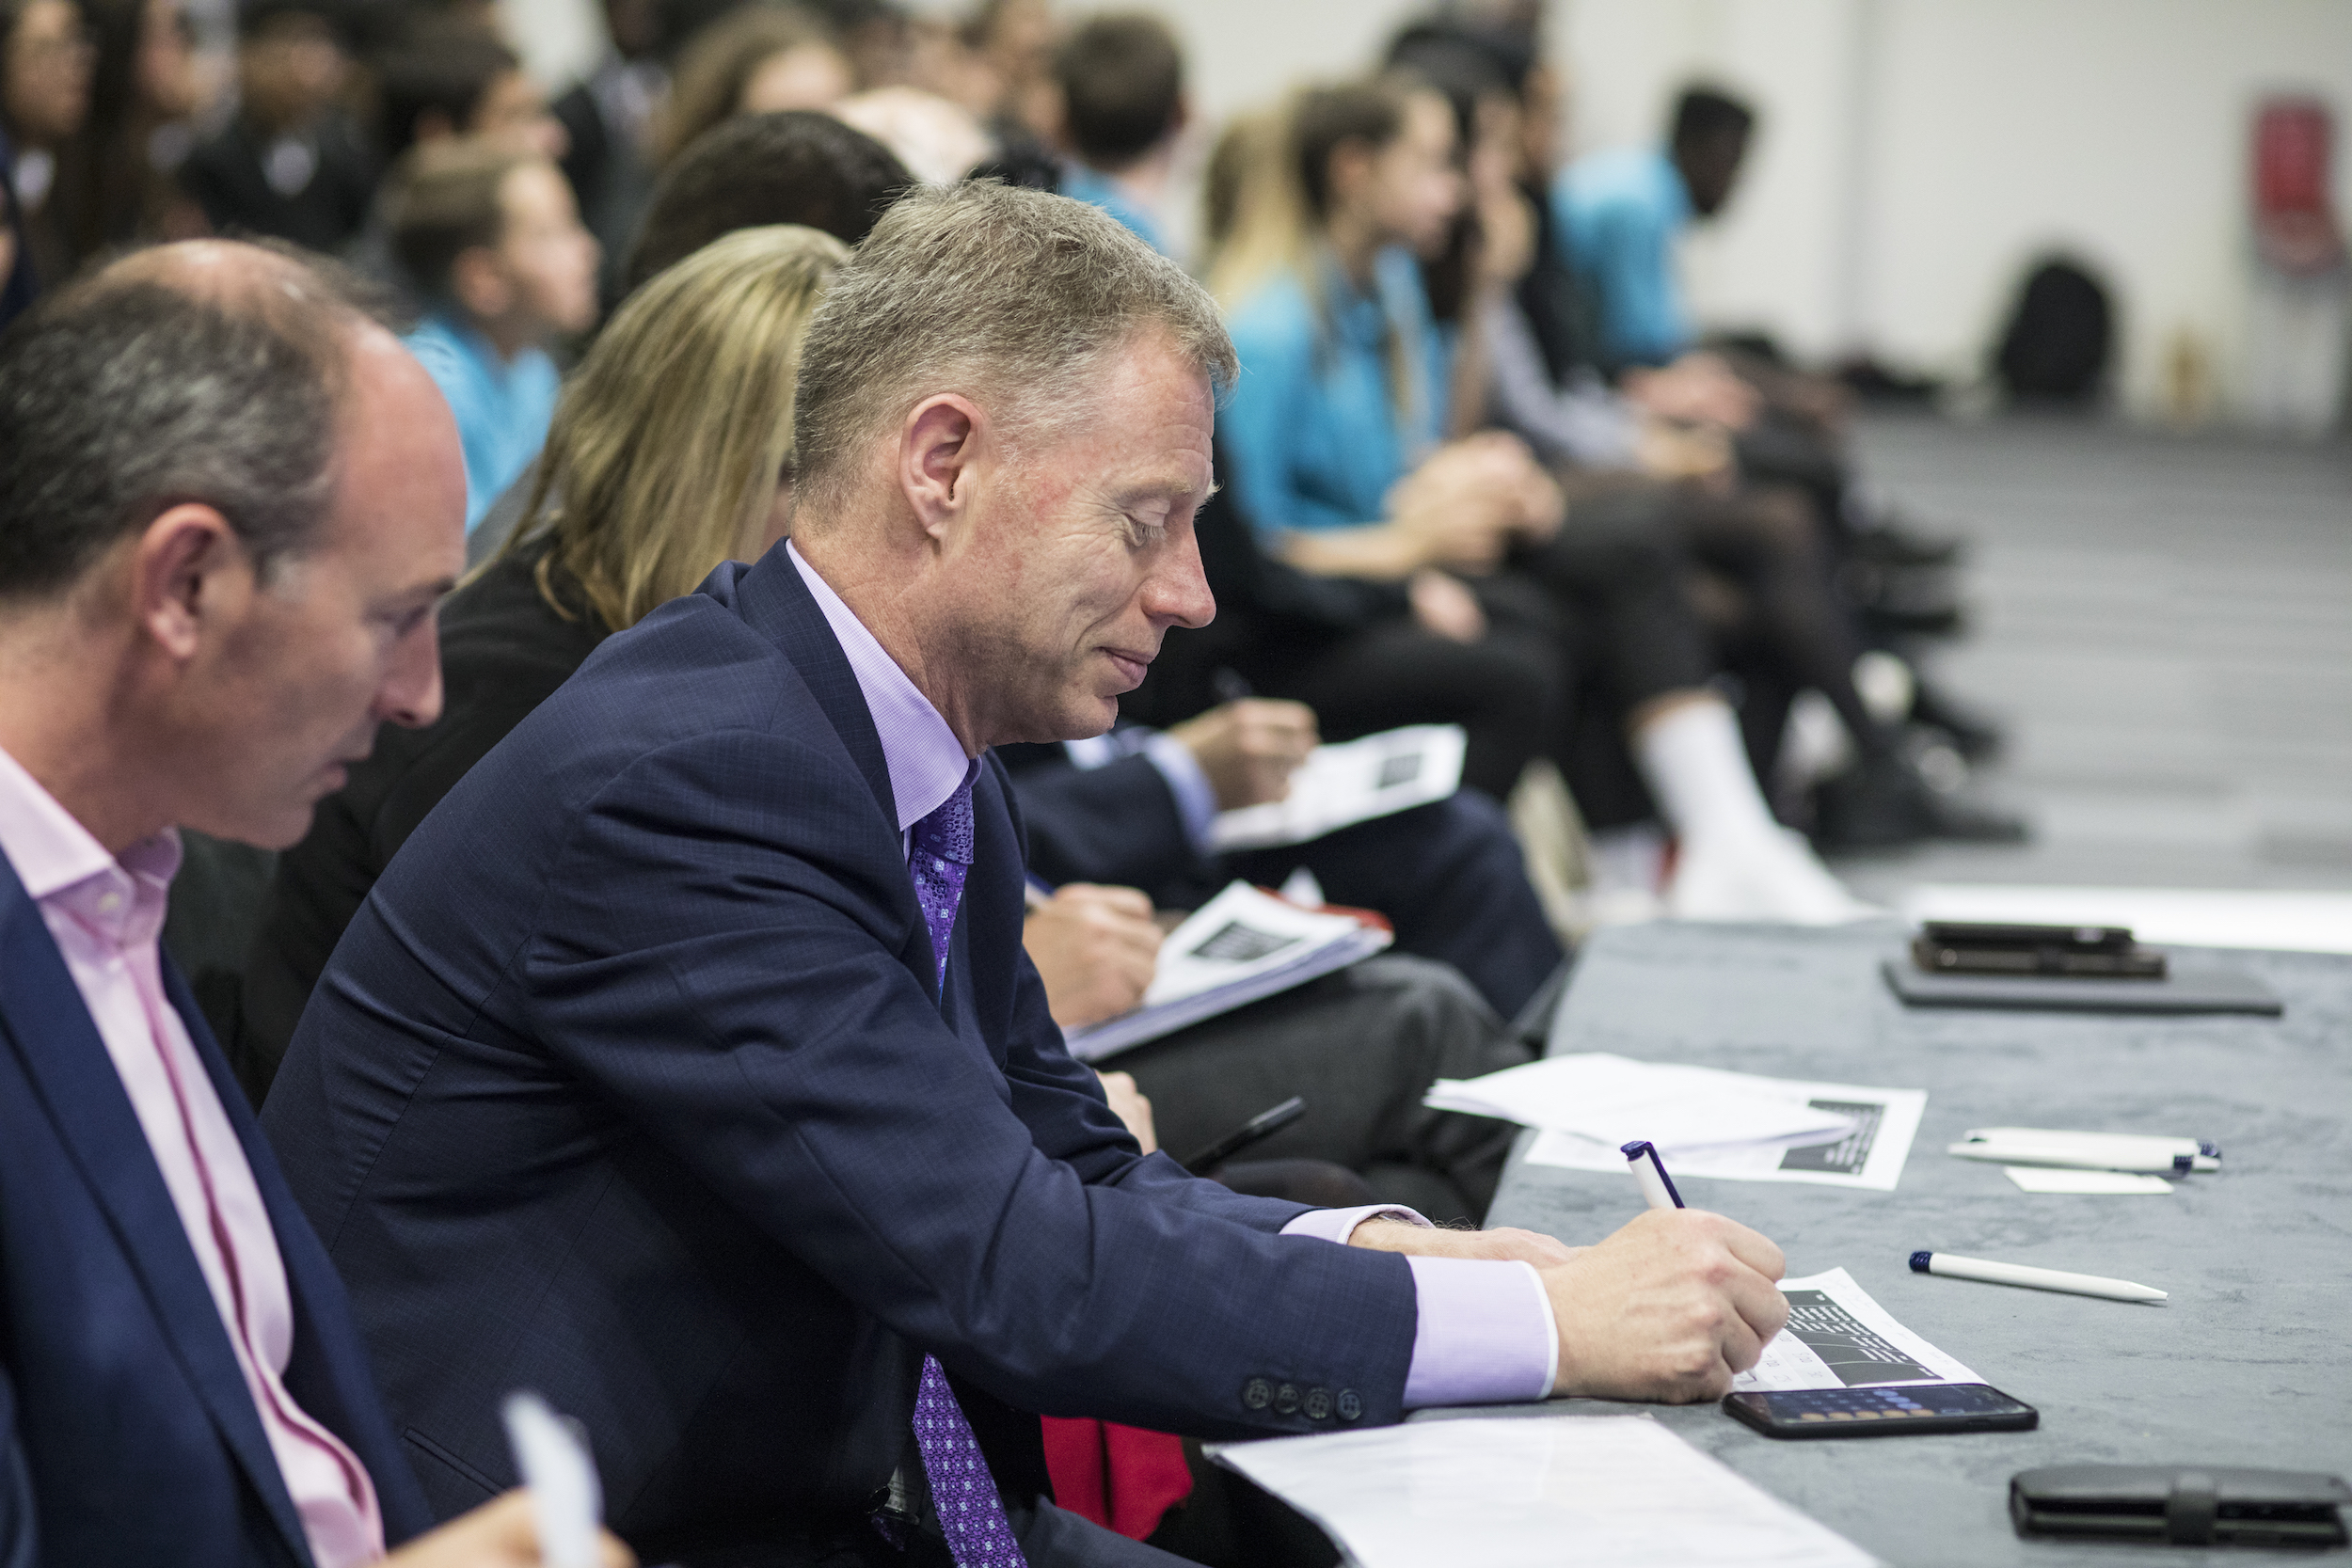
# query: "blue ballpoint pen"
[[1650, 1171]]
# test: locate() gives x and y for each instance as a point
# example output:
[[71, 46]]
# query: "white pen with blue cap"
[[1650, 1172]]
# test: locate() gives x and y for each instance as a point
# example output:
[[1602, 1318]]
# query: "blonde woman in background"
[[671, 451]]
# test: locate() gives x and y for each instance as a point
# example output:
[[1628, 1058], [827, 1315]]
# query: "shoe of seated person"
[[1766, 875], [1882, 803], [1886, 543]]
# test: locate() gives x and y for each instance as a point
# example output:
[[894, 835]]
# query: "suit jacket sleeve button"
[[1318, 1405], [1350, 1406], [1257, 1393], [1286, 1400]]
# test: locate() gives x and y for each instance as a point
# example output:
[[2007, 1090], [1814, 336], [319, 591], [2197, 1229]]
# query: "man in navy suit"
[[685, 1065], [228, 505]]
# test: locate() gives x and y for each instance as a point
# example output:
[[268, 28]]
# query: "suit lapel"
[[777, 602], [67, 1065]]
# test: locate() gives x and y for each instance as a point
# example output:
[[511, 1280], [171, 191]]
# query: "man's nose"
[[1177, 592], [411, 693]]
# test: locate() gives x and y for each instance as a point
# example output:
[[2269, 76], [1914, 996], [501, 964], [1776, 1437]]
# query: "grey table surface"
[[2247, 1364]]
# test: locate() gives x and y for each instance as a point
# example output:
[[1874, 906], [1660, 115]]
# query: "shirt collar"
[[926, 760], [52, 851]]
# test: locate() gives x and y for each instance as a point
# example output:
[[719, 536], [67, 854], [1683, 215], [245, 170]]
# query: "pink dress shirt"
[[105, 916], [1485, 1332]]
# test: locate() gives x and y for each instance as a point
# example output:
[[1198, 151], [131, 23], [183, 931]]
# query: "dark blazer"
[[631, 1083], [505, 648], [131, 1413], [1117, 823]]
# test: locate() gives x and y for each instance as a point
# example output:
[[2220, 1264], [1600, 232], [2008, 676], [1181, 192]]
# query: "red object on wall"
[[1124, 1478], [2295, 220]]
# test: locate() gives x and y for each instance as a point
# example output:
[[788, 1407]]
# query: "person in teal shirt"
[[1343, 443], [1623, 210], [491, 237]]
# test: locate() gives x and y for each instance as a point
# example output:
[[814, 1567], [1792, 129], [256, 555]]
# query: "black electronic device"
[[1263, 1125], [2068, 952], [1880, 1412], [2189, 1505]]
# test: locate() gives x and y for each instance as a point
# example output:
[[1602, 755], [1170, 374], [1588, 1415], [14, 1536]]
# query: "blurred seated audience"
[[1337, 444], [937, 138], [762, 59], [218, 583], [490, 239], [1123, 90], [291, 164], [46, 65], [669, 456]]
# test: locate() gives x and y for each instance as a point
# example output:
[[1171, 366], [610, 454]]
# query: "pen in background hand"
[[1650, 1172]]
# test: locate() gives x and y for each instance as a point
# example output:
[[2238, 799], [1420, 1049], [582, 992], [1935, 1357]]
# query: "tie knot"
[[947, 833]]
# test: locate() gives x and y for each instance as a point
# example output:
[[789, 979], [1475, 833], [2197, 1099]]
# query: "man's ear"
[[936, 457], [189, 574], [481, 283]]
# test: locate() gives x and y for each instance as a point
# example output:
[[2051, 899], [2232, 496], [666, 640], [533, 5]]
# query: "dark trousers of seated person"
[[1450, 879], [1362, 1046]]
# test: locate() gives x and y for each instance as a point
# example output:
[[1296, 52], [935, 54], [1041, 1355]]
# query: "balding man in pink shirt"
[[229, 502]]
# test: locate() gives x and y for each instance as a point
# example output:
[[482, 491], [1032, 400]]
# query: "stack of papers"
[[1705, 1122], [1239, 946], [1839, 1337], [1341, 785], [1547, 1491]]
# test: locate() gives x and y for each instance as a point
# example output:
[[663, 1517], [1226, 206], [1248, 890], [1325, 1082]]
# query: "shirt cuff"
[[1338, 1225], [1485, 1336], [1196, 798]]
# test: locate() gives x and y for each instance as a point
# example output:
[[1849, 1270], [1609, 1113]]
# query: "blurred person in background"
[[1122, 78], [148, 90], [491, 240], [291, 164], [761, 59], [745, 172], [1336, 439], [450, 79], [45, 66]]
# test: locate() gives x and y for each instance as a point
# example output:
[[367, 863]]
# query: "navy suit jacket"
[[631, 1083], [131, 1416]]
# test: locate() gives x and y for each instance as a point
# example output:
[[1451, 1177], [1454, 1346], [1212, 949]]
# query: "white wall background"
[[1913, 155], [1916, 153]]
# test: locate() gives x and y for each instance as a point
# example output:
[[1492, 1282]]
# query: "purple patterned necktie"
[[971, 1514]]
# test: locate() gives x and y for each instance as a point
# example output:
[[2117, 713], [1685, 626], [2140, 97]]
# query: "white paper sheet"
[[1884, 1124], [1614, 1099], [1343, 785], [1839, 1338], [2110, 1183], [1535, 1493]]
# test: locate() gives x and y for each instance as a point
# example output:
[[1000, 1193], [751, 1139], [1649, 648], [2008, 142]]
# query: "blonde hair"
[[672, 437]]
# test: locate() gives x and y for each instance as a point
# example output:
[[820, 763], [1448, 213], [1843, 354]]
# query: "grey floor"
[[2165, 624]]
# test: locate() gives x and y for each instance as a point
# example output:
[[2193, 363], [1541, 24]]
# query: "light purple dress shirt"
[[1485, 1332]]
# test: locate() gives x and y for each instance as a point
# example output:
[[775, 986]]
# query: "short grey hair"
[[1012, 298], [132, 393]]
